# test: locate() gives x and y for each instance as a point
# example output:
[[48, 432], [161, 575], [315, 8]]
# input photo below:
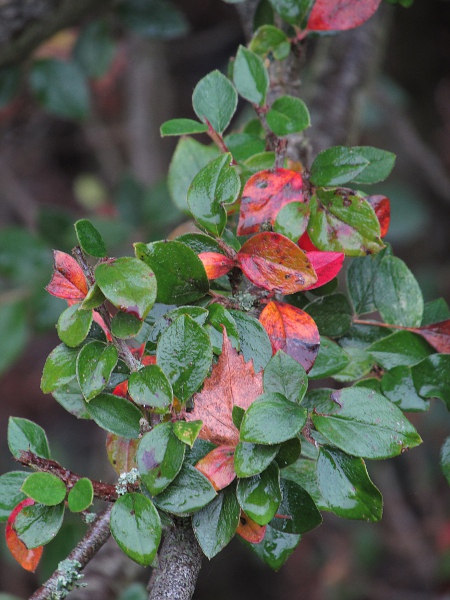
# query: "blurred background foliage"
[[79, 137]]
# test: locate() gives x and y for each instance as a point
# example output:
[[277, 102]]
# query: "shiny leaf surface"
[[298, 513], [250, 76], [215, 100], [285, 375], [150, 387], [218, 466], [260, 496], [116, 414], [94, 366], [73, 325]]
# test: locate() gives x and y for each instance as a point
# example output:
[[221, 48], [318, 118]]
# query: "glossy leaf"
[[339, 15], [218, 466], [116, 414], [380, 165], [269, 39], [361, 276], [289, 452], [68, 280], [189, 492], [37, 525], [197, 313], [346, 486], [292, 330], [276, 547], [435, 312], [184, 353], [136, 527], [94, 298], [201, 243], [249, 530], [81, 495], [244, 145], [90, 239], [437, 335], [397, 294], [272, 419], [264, 195], [218, 318], [74, 325], [294, 12], [250, 459], [150, 387], [337, 165], [332, 314], [129, 284], [182, 127], [216, 264], [298, 508], [125, 325], [287, 115], [180, 273], [432, 377], [44, 488], [254, 341], [215, 524], [71, 399], [121, 452], [10, 492], [285, 375], [398, 386], [216, 184], [326, 265], [233, 382], [24, 435], [401, 348], [363, 423], [215, 100], [94, 366], [382, 207], [260, 162], [59, 368], [330, 360], [260, 496], [292, 220], [28, 558], [250, 76], [304, 473], [187, 432]]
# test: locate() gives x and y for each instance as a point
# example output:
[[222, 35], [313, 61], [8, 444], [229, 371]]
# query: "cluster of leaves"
[[196, 355]]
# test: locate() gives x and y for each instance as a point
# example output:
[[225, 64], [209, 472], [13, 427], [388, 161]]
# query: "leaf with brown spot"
[[264, 195], [216, 264], [68, 280], [273, 262], [28, 558], [339, 15], [233, 382], [121, 451], [249, 530], [218, 466], [292, 330]]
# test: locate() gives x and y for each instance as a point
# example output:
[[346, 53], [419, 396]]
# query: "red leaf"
[[68, 279], [306, 244], [218, 466], [382, 207], [264, 194], [249, 530], [121, 389], [233, 382], [338, 15], [437, 335], [28, 558], [99, 320], [292, 330], [216, 264], [149, 359], [326, 264], [275, 263]]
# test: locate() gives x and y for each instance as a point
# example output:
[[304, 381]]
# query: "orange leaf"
[[28, 558], [338, 15], [233, 382], [273, 262], [216, 264], [249, 530], [218, 466], [326, 265], [149, 359], [264, 195], [68, 281], [437, 335], [292, 330], [382, 207]]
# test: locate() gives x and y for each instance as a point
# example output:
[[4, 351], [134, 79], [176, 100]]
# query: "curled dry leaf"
[[68, 280], [338, 15], [28, 558], [216, 264], [264, 195]]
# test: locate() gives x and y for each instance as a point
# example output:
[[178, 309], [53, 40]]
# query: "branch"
[[180, 560], [83, 552]]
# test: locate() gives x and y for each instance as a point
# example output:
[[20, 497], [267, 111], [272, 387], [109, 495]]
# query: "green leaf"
[[14, 332], [184, 353], [93, 299], [397, 294], [198, 314], [272, 419], [159, 457], [380, 165], [199, 450], [74, 325], [292, 220], [360, 278], [129, 284], [304, 473], [269, 39], [9, 84], [27, 436], [189, 492], [346, 486], [81, 495], [444, 459], [435, 311], [59, 368], [330, 360], [189, 157], [215, 524], [150, 387], [398, 387], [215, 100], [158, 19], [182, 127], [216, 184], [95, 49], [293, 11], [288, 114], [260, 496], [432, 377], [187, 432], [200, 242], [299, 505], [44, 488], [275, 548], [69, 396], [251, 77], [401, 348], [38, 524], [244, 145], [285, 375], [289, 452], [237, 414], [363, 423], [332, 314], [136, 527], [60, 87], [180, 273], [125, 325], [260, 162], [94, 366], [255, 343], [116, 414], [219, 316], [10, 492], [251, 459], [90, 239], [337, 165]]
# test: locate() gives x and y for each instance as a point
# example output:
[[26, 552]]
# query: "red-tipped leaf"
[[216, 264], [326, 264], [218, 466], [28, 558], [338, 15], [68, 280]]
